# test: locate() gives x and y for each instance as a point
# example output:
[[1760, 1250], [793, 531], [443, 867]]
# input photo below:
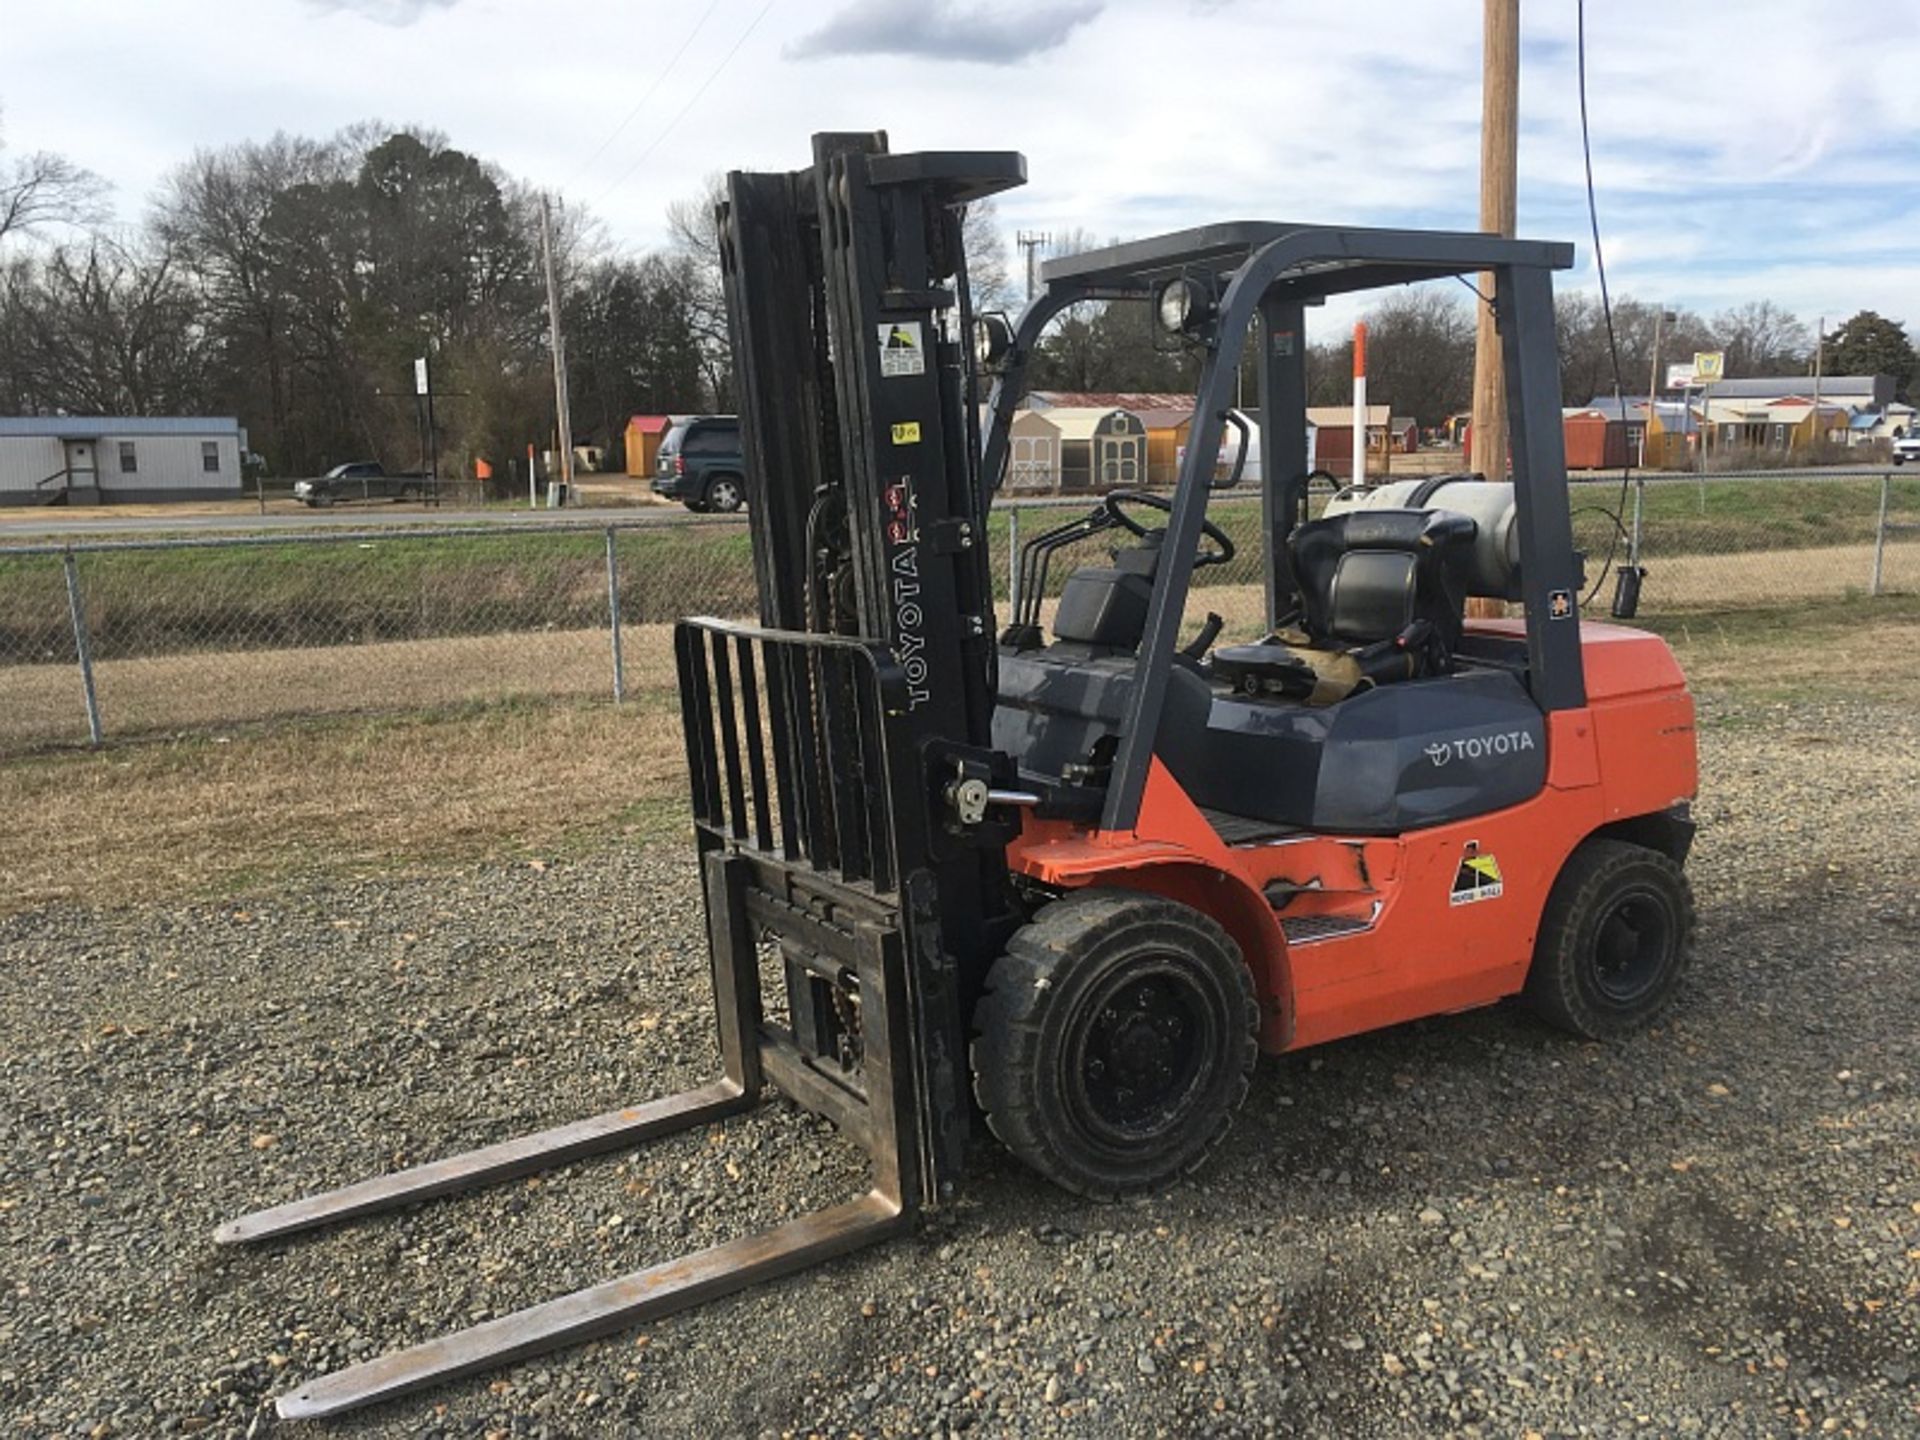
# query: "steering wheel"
[[1117, 501]]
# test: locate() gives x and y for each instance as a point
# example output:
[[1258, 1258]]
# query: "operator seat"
[[1382, 598], [1105, 606]]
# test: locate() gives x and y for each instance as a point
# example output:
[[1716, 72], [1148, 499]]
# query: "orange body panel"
[[1414, 948]]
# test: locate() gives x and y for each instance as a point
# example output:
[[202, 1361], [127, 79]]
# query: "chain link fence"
[[146, 637], [127, 639]]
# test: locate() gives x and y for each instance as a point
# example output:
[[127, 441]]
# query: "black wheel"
[[1614, 941], [1114, 1041], [724, 494]]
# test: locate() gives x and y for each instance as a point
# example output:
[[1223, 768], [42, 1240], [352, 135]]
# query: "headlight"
[[1182, 305], [992, 339]]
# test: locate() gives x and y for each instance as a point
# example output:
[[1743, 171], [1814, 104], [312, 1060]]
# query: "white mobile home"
[[94, 460]]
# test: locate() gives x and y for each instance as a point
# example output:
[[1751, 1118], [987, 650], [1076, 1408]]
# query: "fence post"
[[1880, 533], [1013, 564], [82, 649], [613, 618], [1633, 542]]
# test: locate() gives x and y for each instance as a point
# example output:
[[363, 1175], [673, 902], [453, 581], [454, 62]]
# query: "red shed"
[[1594, 441]]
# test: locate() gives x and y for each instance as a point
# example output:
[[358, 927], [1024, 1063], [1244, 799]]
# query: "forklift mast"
[[849, 314]]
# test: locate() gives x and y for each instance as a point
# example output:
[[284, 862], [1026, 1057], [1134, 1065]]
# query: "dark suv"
[[700, 464]]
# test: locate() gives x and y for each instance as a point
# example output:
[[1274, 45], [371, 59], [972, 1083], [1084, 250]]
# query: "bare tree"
[[1761, 338], [692, 224], [103, 329], [989, 276], [43, 190]]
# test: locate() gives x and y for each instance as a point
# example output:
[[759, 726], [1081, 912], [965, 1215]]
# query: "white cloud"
[[1775, 157], [384, 12], [945, 30]]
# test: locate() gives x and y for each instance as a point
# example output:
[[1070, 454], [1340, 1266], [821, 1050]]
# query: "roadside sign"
[[420, 386], [1709, 366], [1681, 376]]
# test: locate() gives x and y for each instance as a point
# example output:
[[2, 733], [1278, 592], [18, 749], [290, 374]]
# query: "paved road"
[[53, 524]]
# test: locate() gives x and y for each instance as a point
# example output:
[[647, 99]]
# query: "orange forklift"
[[1067, 878]]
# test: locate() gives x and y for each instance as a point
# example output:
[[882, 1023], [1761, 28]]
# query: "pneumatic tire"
[[1114, 1041], [1614, 942]]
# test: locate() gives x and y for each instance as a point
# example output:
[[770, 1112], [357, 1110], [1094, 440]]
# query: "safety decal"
[[903, 349], [1478, 878], [906, 432], [1560, 604]]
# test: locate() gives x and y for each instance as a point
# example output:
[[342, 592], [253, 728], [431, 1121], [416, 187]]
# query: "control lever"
[[1201, 643]]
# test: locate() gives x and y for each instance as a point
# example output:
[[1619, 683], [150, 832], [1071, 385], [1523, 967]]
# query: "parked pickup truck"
[[1906, 448], [361, 480]]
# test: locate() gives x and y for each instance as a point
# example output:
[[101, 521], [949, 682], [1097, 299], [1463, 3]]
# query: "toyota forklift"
[[1065, 879]]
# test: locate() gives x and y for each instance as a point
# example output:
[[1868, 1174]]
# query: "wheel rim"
[[1631, 947], [1136, 1055], [724, 495]]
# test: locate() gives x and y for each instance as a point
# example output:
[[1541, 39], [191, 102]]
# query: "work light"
[[992, 339], [1182, 305]]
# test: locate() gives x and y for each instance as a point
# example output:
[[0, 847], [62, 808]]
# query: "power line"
[[1606, 305], [692, 100], [659, 77]]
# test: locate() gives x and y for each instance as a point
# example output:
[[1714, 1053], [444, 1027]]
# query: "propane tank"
[[1495, 566]]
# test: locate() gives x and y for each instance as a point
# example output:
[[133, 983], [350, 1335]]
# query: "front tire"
[[1114, 1041], [1614, 941]]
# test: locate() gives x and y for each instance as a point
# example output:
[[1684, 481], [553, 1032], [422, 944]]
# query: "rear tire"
[[1614, 941], [724, 494], [1114, 1041]]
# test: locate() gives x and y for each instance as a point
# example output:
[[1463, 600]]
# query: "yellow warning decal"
[[906, 432], [1478, 878]]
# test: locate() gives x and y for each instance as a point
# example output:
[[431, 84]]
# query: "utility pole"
[[1031, 241], [1499, 166], [1819, 362], [563, 415], [1660, 318]]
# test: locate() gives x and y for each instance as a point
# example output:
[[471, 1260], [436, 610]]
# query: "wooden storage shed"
[[1595, 440], [1167, 430], [1033, 452], [1100, 449], [644, 434]]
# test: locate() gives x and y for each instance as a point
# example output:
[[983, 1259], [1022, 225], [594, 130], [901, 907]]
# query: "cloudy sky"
[[1743, 148]]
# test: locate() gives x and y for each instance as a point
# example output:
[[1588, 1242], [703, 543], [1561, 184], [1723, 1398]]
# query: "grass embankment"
[[236, 811], [296, 593], [318, 592]]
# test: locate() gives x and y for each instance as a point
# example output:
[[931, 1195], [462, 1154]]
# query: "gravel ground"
[[1470, 1225]]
